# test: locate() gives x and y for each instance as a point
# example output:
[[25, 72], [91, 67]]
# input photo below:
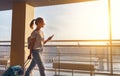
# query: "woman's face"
[[41, 24]]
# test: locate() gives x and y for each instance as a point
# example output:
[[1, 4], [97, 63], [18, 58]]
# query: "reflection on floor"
[[52, 73]]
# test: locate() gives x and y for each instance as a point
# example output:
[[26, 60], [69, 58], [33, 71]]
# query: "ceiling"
[[7, 4]]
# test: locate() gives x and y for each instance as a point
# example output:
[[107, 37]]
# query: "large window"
[[85, 20]]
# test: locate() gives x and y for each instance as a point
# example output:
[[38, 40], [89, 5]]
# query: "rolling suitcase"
[[16, 70]]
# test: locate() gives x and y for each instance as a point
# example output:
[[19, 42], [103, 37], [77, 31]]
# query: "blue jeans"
[[36, 60]]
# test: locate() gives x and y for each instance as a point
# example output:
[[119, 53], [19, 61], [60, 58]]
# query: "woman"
[[36, 46]]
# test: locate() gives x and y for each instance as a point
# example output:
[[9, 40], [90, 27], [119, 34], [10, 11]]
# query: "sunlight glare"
[[115, 13]]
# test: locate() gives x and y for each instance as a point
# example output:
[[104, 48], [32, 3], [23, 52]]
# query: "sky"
[[5, 25], [77, 21]]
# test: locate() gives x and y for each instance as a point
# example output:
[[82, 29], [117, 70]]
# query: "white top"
[[39, 43]]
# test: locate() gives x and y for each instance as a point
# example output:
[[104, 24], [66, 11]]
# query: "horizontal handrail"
[[73, 45], [104, 40], [82, 45], [82, 40], [5, 41], [76, 45]]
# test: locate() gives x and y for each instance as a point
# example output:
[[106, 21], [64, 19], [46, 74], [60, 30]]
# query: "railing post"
[[110, 32], [58, 59]]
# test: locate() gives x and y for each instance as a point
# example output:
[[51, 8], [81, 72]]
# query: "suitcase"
[[16, 70]]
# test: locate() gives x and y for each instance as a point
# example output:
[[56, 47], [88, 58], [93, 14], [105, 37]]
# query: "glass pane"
[[5, 25], [5, 33]]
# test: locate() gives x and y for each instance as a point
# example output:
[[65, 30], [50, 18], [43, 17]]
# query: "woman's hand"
[[49, 38], [29, 57]]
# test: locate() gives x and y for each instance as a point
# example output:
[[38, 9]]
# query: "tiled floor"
[[52, 73]]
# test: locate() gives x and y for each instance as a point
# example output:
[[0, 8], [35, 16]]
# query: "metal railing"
[[96, 52]]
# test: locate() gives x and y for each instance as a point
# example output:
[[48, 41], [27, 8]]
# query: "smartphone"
[[52, 36]]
